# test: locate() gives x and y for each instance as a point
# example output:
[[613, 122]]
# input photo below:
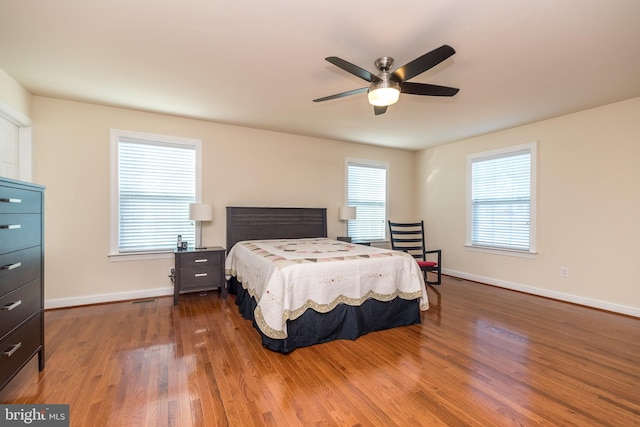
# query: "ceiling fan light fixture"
[[384, 93]]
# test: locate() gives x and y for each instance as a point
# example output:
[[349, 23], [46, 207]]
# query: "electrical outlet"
[[564, 272]]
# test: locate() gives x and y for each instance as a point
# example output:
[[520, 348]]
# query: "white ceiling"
[[260, 63]]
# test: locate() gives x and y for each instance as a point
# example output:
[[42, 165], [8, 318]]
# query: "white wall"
[[588, 208], [242, 166], [588, 199]]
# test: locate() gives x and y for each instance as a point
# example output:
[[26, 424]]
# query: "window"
[[153, 180], [501, 197], [367, 191]]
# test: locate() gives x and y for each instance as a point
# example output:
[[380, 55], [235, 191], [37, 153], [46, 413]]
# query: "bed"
[[300, 288]]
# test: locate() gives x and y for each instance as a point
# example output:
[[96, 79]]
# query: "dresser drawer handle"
[[12, 350], [11, 306], [5, 200], [11, 266], [10, 226], [200, 275], [201, 260]]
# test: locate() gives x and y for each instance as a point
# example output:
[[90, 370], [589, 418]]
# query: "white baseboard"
[[102, 298], [168, 290], [575, 299]]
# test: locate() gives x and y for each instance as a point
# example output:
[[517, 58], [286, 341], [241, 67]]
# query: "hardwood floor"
[[482, 356]]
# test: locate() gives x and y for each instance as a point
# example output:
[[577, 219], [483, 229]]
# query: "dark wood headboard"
[[256, 223]]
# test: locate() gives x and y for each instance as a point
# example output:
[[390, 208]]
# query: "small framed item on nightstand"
[[199, 270]]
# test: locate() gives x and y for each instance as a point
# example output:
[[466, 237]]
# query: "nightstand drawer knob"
[[11, 266], [200, 275], [201, 260], [12, 350], [11, 306], [10, 226]]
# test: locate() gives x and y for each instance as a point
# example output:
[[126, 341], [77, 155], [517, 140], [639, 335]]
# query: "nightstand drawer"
[[17, 348], [17, 200], [18, 305], [201, 259], [19, 267], [19, 231], [202, 277]]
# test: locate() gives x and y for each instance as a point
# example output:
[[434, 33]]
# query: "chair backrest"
[[408, 237]]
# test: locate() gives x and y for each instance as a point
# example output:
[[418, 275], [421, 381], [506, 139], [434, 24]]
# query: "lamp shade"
[[200, 212], [347, 212]]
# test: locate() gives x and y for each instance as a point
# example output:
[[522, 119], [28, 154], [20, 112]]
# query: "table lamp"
[[199, 212]]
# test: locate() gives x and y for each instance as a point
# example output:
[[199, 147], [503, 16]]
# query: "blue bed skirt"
[[343, 322]]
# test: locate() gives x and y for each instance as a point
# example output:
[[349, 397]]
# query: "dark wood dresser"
[[199, 270], [21, 276]]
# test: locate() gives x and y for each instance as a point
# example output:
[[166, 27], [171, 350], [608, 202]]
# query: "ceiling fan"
[[386, 86]]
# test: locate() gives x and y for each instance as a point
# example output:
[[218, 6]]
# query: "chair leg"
[[438, 282]]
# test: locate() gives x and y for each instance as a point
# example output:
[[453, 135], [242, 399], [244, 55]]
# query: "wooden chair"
[[409, 237]]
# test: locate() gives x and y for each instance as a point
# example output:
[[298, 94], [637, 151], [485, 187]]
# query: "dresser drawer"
[[19, 267], [18, 305], [203, 259], [17, 348], [19, 231], [200, 278], [18, 200]]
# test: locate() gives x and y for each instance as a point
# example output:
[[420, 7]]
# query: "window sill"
[[140, 256], [505, 252]]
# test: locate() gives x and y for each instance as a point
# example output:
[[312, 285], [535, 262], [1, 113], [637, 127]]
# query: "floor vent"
[[143, 301]]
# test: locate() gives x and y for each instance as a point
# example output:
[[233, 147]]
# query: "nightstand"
[[199, 270]]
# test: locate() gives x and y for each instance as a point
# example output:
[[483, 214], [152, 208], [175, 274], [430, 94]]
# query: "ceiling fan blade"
[[423, 63], [427, 89], [343, 94], [379, 110], [353, 69]]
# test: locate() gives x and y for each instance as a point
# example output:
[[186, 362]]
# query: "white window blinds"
[[367, 191], [156, 183], [501, 200]]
